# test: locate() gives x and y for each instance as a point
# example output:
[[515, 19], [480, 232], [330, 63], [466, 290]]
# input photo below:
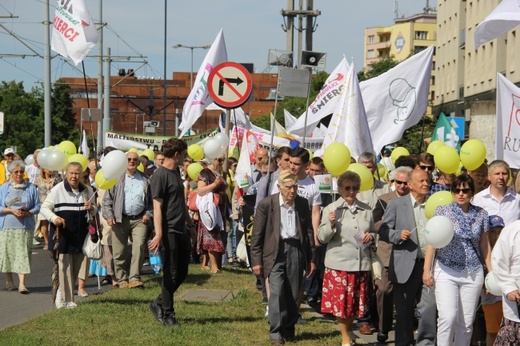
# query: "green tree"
[[64, 126], [23, 121], [377, 68], [414, 136]]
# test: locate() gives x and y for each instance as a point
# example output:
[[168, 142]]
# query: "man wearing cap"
[[8, 158]]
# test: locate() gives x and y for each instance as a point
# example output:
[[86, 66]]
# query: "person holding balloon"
[[404, 226], [457, 275]]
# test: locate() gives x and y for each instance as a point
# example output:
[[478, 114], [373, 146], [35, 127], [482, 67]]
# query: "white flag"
[[289, 119], [324, 103], [508, 122], [84, 146], [349, 124], [503, 18], [74, 33], [199, 97], [397, 99]]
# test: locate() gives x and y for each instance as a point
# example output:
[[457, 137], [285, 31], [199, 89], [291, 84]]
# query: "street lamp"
[[192, 48]]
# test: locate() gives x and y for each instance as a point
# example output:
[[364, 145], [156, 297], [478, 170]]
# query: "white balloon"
[[29, 160], [114, 164], [43, 157], [212, 149], [222, 139], [438, 231], [57, 160], [492, 285]]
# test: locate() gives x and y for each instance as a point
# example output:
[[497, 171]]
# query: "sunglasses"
[[132, 160], [399, 182], [220, 159], [426, 168], [353, 188], [464, 191]]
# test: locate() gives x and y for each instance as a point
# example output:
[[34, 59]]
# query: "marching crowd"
[[360, 257]]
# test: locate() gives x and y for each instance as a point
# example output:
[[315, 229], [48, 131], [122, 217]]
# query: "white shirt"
[[288, 220], [33, 172], [420, 223], [505, 264], [508, 208]]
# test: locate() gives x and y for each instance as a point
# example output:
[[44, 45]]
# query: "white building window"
[[371, 39]]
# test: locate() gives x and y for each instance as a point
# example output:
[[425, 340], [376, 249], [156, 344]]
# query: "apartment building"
[[407, 36], [465, 77]]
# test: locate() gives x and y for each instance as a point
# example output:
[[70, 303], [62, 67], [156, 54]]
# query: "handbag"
[[92, 250], [92, 247], [192, 201]]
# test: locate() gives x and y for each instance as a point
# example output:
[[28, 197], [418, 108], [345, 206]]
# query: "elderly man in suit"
[[403, 225], [384, 287], [281, 250]]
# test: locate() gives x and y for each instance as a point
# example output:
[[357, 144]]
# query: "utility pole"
[[310, 16]]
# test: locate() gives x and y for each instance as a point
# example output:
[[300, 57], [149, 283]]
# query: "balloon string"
[[410, 235]]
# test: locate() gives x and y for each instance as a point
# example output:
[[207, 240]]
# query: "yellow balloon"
[[140, 168], [446, 159], [399, 151], [148, 153], [132, 150], [194, 170], [381, 169], [81, 159], [433, 146], [102, 183], [437, 199], [68, 148], [472, 154], [196, 152], [367, 180], [336, 158]]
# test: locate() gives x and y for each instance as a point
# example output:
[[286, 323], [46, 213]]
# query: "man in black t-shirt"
[[170, 217]]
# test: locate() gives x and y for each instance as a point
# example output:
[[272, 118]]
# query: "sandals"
[[23, 290], [107, 280], [10, 286]]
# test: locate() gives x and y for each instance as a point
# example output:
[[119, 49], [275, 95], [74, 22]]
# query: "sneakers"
[[135, 284], [170, 321], [71, 305], [156, 311], [59, 300]]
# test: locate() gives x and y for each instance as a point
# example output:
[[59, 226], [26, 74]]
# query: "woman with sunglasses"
[[210, 241], [458, 273], [347, 228]]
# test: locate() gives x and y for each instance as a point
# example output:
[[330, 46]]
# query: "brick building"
[[135, 100]]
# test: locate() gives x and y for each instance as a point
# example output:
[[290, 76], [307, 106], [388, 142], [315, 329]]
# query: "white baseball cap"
[[9, 151]]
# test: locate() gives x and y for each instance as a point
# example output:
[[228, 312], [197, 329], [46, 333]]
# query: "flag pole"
[[88, 107], [272, 130], [422, 136]]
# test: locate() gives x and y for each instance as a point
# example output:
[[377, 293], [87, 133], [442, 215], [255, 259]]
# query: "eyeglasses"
[[399, 182], [220, 159], [426, 168], [353, 188], [132, 159], [18, 172], [464, 191]]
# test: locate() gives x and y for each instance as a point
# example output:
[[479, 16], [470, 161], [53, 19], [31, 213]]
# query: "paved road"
[[17, 308]]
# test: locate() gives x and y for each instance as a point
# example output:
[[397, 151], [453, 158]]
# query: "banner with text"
[[126, 141]]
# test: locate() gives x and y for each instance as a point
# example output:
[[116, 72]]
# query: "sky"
[[136, 28]]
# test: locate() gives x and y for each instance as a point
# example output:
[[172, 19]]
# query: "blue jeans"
[[231, 246]]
